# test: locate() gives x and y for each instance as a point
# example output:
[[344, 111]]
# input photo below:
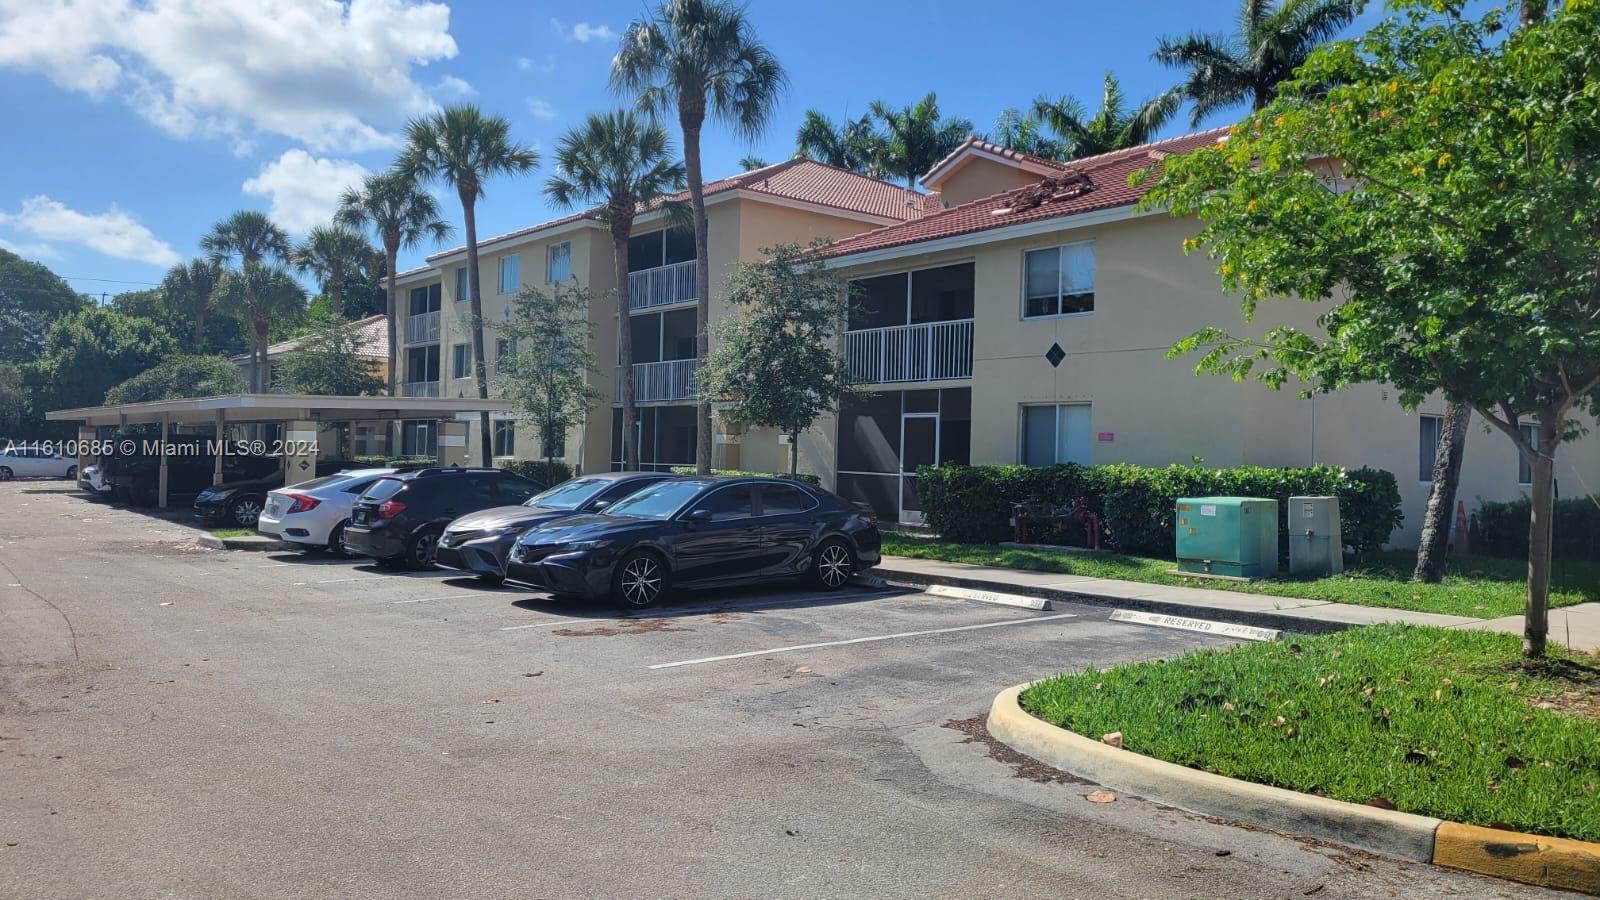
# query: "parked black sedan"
[[479, 542], [238, 501], [699, 532]]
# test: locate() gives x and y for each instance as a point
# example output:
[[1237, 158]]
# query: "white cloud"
[[545, 66], [332, 75], [451, 86], [541, 109], [303, 190], [113, 232], [583, 32], [38, 250]]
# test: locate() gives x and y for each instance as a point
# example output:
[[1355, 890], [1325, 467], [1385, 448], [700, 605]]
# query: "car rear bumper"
[[569, 574], [378, 543]]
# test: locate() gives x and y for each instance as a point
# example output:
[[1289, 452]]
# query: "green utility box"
[[1235, 537]]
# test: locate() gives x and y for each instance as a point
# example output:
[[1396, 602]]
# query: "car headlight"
[[586, 545], [504, 530]]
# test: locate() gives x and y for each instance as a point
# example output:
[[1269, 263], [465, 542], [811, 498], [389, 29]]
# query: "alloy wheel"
[[641, 581], [5, 474], [833, 565], [422, 552], [246, 512]]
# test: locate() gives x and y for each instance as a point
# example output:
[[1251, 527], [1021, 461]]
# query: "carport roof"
[[270, 407]]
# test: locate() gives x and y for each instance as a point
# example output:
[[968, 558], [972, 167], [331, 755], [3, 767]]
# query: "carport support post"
[[222, 438], [86, 440], [299, 452], [452, 443], [162, 480]]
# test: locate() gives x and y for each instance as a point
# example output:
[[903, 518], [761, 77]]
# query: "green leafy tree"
[[1439, 202], [404, 216], [13, 398], [915, 137], [333, 254], [247, 236], [1269, 42], [332, 358], [88, 352], [32, 298], [187, 289], [1024, 132], [619, 161], [259, 294], [698, 58], [463, 148], [752, 162], [1113, 127], [776, 361], [851, 144], [546, 376], [179, 377]]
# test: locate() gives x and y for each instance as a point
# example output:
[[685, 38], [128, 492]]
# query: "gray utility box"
[[1315, 545]]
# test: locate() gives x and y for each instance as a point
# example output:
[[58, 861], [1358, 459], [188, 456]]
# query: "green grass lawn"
[[1436, 721], [1479, 586], [233, 532]]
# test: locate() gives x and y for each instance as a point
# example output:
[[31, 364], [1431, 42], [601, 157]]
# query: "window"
[[1429, 429], [505, 437], [943, 294], [422, 363], [419, 438], [784, 500], [514, 491], [510, 274], [461, 283], [423, 300], [1530, 433], [559, 268], [660, 248], [1058, 281], [502, 349], [1058, 433], [461, 361], [725, 504]]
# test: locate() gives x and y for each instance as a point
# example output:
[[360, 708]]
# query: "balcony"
[[661, 286], [420, 389], [420, 329], [659, 381], [932, 351]]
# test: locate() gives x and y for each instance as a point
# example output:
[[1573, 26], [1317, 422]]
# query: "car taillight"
[[388, 509], [302, 503]]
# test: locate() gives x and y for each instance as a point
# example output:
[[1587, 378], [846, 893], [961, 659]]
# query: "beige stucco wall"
[[978, 178], [1155, 411]]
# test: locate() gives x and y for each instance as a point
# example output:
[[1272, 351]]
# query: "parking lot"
[[183, 722]]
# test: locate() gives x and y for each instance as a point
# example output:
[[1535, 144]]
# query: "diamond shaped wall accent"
[[1055, 355]]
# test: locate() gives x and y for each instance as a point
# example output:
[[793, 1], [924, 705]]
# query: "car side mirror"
[[697, 516], [599, 505]]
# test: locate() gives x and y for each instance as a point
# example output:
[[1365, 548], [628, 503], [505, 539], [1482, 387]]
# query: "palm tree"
[[1023, 131], [752, 162], [697, 57], [247, 236], [1114, 127], [403, 215], [463, 148], [190, 287], [850, 144], [916, 137], [619, 161], [257, 294], [332, 254], [1269, 42]]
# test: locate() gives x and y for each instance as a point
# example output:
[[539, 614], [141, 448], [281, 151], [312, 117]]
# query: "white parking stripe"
[[431, 599], [330, 581], [862, 640], [696, 610], [547, 624]]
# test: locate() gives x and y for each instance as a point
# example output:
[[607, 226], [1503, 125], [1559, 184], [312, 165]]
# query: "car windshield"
[[569, 495], [658, 501], [383, 489], [319, 482]]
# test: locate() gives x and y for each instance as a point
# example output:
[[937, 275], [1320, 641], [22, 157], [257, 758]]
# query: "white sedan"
[[315, 512], [25, 462]]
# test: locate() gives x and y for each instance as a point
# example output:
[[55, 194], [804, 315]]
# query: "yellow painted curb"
[[1535, 859]]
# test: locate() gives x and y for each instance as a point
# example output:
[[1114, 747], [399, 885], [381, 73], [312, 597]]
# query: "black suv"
[[400, 517]]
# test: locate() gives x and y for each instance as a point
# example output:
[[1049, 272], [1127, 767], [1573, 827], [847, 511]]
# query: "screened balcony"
[[911, 326]]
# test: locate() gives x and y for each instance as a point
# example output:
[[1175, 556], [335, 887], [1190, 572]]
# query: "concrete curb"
[[1298, 624], [256, 543], [1534, 859]]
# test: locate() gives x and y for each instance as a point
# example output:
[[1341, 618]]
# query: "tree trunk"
[[336, 294], [1435, 541], [1536, 618], [794, 453], [263, 330], [391, 252], [200, 330], [702, 274], [620, 232], [480, 371]]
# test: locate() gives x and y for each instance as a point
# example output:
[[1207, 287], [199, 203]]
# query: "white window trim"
[[549, 259], [1022, 430], [501, 281], [1022, 308]]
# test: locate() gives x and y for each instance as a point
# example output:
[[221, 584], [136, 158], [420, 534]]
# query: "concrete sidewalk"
[[1287, 613]]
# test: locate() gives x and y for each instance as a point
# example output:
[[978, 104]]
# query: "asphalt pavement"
[[182, 722]]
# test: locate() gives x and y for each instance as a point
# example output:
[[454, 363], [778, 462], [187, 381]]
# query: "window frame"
[[504, 428], [1438, 435], [1530, 433], [515, 262], [910, 291], [1060, 295], [463, 284], [549, 262], [1055, 444], [458, 353]]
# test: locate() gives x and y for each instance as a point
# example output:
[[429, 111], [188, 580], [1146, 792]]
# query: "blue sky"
[[135, 124]]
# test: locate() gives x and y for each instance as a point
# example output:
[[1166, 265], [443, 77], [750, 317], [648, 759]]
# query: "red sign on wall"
[[1107, 437]]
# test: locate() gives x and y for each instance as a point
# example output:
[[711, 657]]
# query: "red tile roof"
[[1084, 185], [373, 332], [802, 180], [978, 143]]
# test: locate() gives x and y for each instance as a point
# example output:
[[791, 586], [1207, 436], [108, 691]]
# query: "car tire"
[[72, 473], [336, 539], [495, 580], [5, 473], [421, 548], [244, 511], [832, 565], [640, 580]]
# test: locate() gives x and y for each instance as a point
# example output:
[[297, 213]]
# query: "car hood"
[[585, 528], [501, 516], [253, 484]]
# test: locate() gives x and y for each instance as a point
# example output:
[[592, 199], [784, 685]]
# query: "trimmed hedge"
[[1500, 528], [384, 462], [548, 474], [972, 504], [808, 479]]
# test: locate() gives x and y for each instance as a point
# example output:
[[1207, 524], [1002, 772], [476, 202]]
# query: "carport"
[[301, 416]]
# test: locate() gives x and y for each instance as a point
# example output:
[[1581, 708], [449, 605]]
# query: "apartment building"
[[1027, 321], [796, 200]]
